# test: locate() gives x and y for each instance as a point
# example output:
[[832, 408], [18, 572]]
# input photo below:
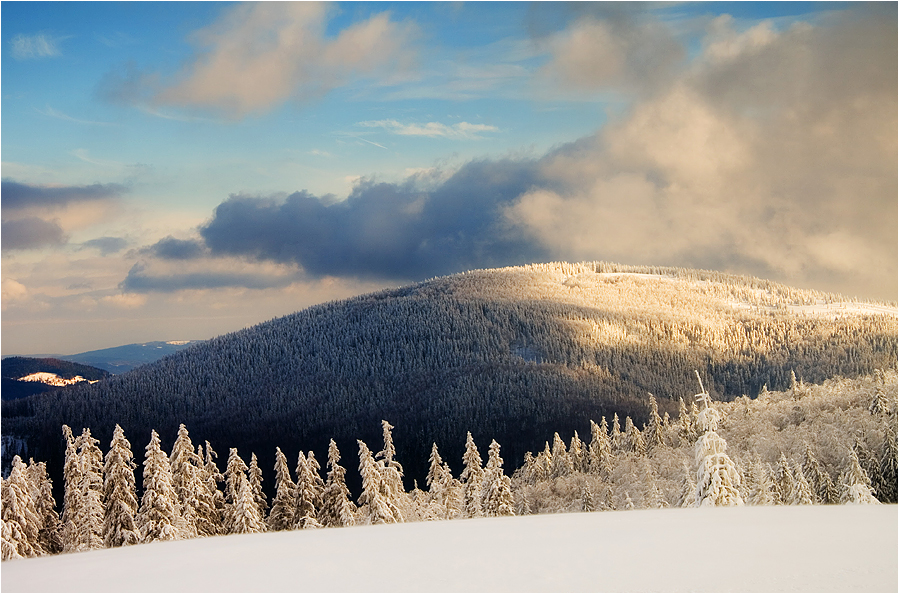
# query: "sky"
[[179, 170]]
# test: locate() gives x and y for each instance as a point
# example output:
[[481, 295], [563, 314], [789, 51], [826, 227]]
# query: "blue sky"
[[179, 170]]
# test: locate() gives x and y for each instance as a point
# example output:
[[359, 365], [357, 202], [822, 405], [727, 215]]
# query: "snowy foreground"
[[798, 548]]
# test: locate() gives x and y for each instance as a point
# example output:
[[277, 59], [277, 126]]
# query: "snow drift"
[[748, 549]]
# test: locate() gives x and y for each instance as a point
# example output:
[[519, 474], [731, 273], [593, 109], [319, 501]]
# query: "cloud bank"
[[771, 152], [30, 47]]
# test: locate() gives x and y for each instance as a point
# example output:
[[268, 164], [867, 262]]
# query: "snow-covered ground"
[[52, 379], [749, 549]]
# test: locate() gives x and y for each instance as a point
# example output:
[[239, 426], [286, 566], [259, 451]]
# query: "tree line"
[[185, 494]]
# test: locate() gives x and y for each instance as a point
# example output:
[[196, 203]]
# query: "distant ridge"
[[511, 354], [125, 358]]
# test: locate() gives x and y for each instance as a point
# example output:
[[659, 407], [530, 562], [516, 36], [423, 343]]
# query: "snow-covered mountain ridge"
[[511, 354], [748, 549]]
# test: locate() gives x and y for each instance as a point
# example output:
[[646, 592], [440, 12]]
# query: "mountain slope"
[[512, 354], [23, 376], [834, 548], [126, 357]]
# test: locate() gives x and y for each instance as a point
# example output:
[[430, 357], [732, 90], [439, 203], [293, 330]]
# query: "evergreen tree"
[[72, 492], [119, 497], [577, 454], [337, 509], [242, 516], [440, 485], [717, 479], [688, 489], [392, 475], [213, 510], [822, 486], [761, 489], [783, 482], [187, 481], [885, 484], [497, 496], [372, 505], [686, 430], [856, 484], [49, 535], [20, 517], [616, 437], [600, 450], [158, 518], [254, 476], [562, 465], [802, 492], [472, 478], [633, 438], [282, 515], [307, 496], [652, 433], [88, 520]]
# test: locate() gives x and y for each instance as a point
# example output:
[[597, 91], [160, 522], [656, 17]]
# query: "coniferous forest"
[[810, 445], [542, 361]]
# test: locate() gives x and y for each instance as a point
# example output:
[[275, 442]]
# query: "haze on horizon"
[[181, 170]]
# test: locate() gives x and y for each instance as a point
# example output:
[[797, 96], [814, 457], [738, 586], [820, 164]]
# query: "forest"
[[511, 354], [833, 443]]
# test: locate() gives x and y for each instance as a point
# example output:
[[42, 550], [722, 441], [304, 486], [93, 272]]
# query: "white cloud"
[[261, 54], [29, 47], [460, 131], [53, 113]]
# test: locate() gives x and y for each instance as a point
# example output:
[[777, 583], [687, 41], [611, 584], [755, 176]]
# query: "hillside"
[[512, 354], [750, 549], [126, 357], [23, 376]]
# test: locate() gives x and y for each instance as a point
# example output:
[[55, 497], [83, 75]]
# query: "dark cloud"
[[15, 195], [390, 231], [170, 248], [140, 280], [31, 233], [106, 245]]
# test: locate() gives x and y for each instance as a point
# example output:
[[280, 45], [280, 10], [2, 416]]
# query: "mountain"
[[511, 354], [24, 376], [125, 358]]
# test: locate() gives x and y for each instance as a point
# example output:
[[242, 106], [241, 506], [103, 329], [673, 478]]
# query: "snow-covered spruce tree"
[[242, 516], [856, 486], [49, 536], [802, 492], [616, 436], [284, 504], [688, 489], [441, 487], [213, 512], [823, 489], [187, 481], [686, 430], [88, 519], [119, 496], [497, 495], [158, 517], [72, 491], [633, 438], [234, 469], [885, 485], [783, 481], [337, 509], [717, 479], [472, 478], [20, 518], [562, 465], [254, 476], [543, 464], [600, 450], [308, 500], [577, 453], [760, 488], [373, 509], [392, 472], [652, 432]]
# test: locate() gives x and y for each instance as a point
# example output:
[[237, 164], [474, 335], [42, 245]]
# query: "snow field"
[[771, 549]]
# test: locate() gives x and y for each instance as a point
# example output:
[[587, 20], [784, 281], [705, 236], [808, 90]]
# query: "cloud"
[[460, 131], [31, 233], [259, 55], [12, 292], [106, 245], [156, 277], [53, 113], [15, 195], [387, 231], [170, 248], [29, 47]]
